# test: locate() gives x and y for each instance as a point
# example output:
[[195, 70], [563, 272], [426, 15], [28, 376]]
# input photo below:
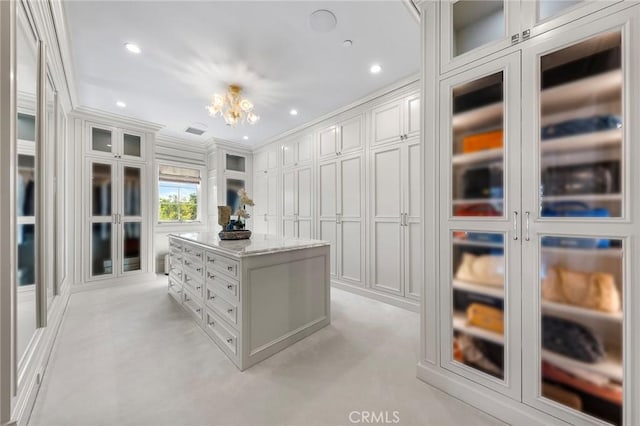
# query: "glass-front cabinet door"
[[539, 16], [102, 218], [132, 145], [130, 220], [101, 140], [474, 28], [480, 287], [577, 232]]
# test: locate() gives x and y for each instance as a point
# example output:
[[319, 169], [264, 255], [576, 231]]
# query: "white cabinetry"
[[266, 191], [396, 254], [112, 142], [342, 138], [297, 203], [341, 216], [397, 120], [536, 186], [297, 151]]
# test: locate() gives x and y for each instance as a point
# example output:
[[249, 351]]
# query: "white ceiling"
[[191, 50]]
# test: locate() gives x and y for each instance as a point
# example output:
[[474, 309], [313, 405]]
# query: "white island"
[[252, 297]]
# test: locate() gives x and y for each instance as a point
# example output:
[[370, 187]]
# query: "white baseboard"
[[400, 302], [485, 399]]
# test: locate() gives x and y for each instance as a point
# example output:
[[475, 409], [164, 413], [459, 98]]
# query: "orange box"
[[482, 141]]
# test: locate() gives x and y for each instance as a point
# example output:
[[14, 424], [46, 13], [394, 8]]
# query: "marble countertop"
[[258, 244]]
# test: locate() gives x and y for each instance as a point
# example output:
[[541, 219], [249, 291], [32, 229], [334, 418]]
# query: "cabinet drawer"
[[194, 267], [176, 274], [220, 305], [195, 253], [225, 285], [222, 264], [175, 289], [175, 259], [193, 305], [224, 336], [175, 246], [193, 283]]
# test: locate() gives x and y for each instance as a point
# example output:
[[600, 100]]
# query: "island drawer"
[[226, 286], [194, 252], [175, 273], [222, 264], [220, 305], [222, 334], [175, 246], [193, 305], [194, 267], [194, 283], [175, 289]]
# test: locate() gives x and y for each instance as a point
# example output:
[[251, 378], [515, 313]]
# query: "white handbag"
[[483, 269]]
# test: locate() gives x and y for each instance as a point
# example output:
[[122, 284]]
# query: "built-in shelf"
[[464, 201], [611, 367], [479, 288], [477, 157], [460, 324], [482, 116], [576, 311], [581, 197], [608, 252], [469, 243], [604, 86], [583, 141]]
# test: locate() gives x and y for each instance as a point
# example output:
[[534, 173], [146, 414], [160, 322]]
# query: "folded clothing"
[[571, 339], [580, 125]]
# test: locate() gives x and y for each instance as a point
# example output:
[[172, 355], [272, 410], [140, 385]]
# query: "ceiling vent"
[[195, 131]]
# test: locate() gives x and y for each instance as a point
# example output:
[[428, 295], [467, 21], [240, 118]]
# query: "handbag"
[[479, 209], [596, 290], [595, 178], [562, 396], [483, 182], [486, 317], [482, 141], [581, 125], [484, 269], [571, 339]]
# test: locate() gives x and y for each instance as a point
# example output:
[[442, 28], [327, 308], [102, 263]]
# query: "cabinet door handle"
[[526, 226], [515, 226]]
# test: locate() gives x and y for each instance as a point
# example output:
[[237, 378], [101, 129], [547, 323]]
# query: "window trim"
[[202, 193]]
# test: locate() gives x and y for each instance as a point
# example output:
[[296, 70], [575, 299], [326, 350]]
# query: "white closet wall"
[[323, 181]]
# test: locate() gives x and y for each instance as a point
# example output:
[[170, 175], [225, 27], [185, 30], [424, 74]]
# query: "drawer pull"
[[210, 259], [198, 269], [230, 286], [199, 255], [229, 268], [198, 287], [212, 323], [230, 310], [198, 310], [229, 340], [211, 276]]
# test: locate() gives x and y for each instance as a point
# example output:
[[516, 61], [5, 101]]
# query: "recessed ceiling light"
[[246, 138], [132, 47], [121, 104], [347, 43], [322, 21], [375, 69], [293, 112]]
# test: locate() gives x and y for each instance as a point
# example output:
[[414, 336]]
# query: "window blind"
[[179, 174]]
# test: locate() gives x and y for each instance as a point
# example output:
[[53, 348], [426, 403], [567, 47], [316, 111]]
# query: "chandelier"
[[233, 107]]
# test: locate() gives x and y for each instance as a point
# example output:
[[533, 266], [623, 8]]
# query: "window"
[[178, 194]]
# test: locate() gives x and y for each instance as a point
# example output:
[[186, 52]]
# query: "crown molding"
[[121, 120], [398, 88], [413, 6], [188, 145], [215, 143]]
